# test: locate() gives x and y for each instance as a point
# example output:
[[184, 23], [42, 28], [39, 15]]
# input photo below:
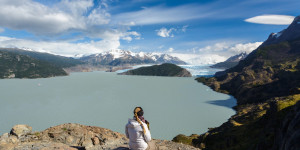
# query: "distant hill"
[[166, 69], [123, 58], [13, 65], [59, 61], [231, 61]]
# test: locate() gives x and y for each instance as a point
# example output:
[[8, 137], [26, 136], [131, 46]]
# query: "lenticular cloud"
[[271, 19]]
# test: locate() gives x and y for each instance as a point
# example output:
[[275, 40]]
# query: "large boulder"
[[20, 130]]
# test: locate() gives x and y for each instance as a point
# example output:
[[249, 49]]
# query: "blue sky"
[[198, 27]]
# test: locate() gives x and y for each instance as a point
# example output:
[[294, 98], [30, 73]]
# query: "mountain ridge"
[[59, 61], [290, 33], [231, 61], [13, 65], [107, 61], [123, 57]]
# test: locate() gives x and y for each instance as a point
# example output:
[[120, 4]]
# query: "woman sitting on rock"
[[137, 130]]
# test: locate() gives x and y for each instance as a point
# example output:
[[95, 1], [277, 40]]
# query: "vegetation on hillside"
[[165, 69], [267, 87], [14, 65], [59, 61], [270, 71], [224, 65]]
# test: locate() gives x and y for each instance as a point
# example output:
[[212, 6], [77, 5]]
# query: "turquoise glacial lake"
[[172, 105]]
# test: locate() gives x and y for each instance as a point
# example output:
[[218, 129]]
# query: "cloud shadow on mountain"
[[229, 103]]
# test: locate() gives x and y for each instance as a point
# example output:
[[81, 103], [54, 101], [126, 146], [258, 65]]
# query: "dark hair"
[[140, 113]]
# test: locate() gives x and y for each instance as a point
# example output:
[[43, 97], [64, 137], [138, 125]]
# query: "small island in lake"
[[166, 69]]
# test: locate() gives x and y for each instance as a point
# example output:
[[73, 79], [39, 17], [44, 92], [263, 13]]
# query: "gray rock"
[[4, 138], [20, 130]]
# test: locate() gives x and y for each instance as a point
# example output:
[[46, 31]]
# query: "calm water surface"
[[172, 105]]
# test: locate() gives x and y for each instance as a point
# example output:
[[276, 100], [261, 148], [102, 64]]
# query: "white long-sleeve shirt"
[[135, 133]]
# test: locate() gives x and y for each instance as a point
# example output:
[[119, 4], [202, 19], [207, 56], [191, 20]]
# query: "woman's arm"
[[147, 136], [126, 131]]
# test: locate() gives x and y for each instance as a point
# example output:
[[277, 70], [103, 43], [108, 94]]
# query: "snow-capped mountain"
[[122, 57], [237, 58], [231, 61]]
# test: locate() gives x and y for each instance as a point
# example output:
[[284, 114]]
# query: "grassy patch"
[[185, 139]]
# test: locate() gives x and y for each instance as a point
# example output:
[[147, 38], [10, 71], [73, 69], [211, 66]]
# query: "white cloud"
[[61, 48], [62, 19], [127, 38], [170, 50], [200, 59], [128, 35], [230, 49], [184, 28], [1, 30], [215, 53], [248, 47], [215, 48], [36, 18], [98, 17], [164, 32], [159, 15], [271, 19], [74, 7], [161, 46]]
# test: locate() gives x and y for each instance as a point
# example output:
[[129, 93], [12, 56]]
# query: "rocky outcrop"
[[67, 136], [74, 137], [83, 136], [20, 130]]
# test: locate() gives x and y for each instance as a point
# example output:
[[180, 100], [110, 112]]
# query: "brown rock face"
[[84, 136], [184, 73]]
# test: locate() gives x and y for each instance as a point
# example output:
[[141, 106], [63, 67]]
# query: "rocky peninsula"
[[75, 137]]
